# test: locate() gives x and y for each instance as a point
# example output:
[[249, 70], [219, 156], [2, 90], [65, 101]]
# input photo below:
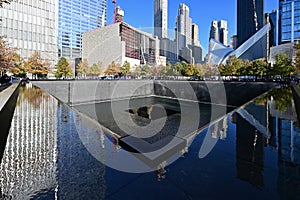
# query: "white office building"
[[161, 18], [32, 25]]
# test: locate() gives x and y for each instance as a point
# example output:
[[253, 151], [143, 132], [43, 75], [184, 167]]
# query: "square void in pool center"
[[152, 112]]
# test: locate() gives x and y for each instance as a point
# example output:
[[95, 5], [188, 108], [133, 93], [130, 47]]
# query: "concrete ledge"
[[88, 92], [222, 93], [156, 153], [7, 93], [80, 92], [8, 103]]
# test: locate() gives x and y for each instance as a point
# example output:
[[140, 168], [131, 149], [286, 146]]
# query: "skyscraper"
[[250, 18], [274, 33], [233, 42], [161, 18], [223, 32], [196, 47], [289, 24], [219, 31], [183, 27], [31, 26], [195, 35], [214, 31], [76, 17]]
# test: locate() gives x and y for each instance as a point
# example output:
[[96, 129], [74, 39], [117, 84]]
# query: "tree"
[[246, 69], [145, 70], [178, 69], [184, 68], [137, 71], [169, 70], [63, 69], [233, 65], [19, 69], [113, 69], [210, 69], [190, 70], [82, 69], [95, 70], [297, 60], [222, 70], [283, 65], [125, 69], [36, 66], [6, 55], [156, 70], [199, 70], [260, 67], [100, 66]]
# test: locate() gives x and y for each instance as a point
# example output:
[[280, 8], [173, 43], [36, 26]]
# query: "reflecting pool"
[[55, 152]]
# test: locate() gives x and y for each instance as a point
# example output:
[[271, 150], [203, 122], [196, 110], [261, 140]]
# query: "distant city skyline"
[[140, 15]]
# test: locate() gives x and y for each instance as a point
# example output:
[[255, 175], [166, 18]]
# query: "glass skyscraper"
[[31, 25], [289, 20], [250, 18], [74, 18]]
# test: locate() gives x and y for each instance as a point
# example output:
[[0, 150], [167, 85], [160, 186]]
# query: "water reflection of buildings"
[[250, 147], [289, 113], [80, 175], [284, 137], [219, 129], [287, 141], [29, 162]]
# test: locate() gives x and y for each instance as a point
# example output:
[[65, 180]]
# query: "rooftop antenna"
[[115, 10]]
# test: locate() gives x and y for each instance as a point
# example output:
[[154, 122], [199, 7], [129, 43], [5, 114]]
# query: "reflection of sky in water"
[[50, 153]]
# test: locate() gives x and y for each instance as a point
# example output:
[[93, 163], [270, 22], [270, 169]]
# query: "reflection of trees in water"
[[283, 98], [33, 95]]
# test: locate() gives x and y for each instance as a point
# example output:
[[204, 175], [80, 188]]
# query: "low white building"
[[120, 42]]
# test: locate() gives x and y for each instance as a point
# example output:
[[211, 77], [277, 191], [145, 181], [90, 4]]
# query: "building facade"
[[219, 31], [161, 18], [118, 43], [31, 25], [233, 42], [195, 35], [274, 33], [168, 49], [183, 27], [74, 19], [214, 31], [289, 20], [250, 18], [223, 32], [254, 48]]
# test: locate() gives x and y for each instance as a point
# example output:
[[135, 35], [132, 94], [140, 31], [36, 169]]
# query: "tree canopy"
[[283, 65], [113, 69], [36, 66], [82, 69], [18, 69], [297, 60], [95, 69], [63, 69], [125, 69], [6, 55]]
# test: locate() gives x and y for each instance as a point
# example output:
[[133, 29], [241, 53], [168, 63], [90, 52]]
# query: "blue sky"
[[140, 13]]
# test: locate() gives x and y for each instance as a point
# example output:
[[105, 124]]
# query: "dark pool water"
[[53, 152]]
